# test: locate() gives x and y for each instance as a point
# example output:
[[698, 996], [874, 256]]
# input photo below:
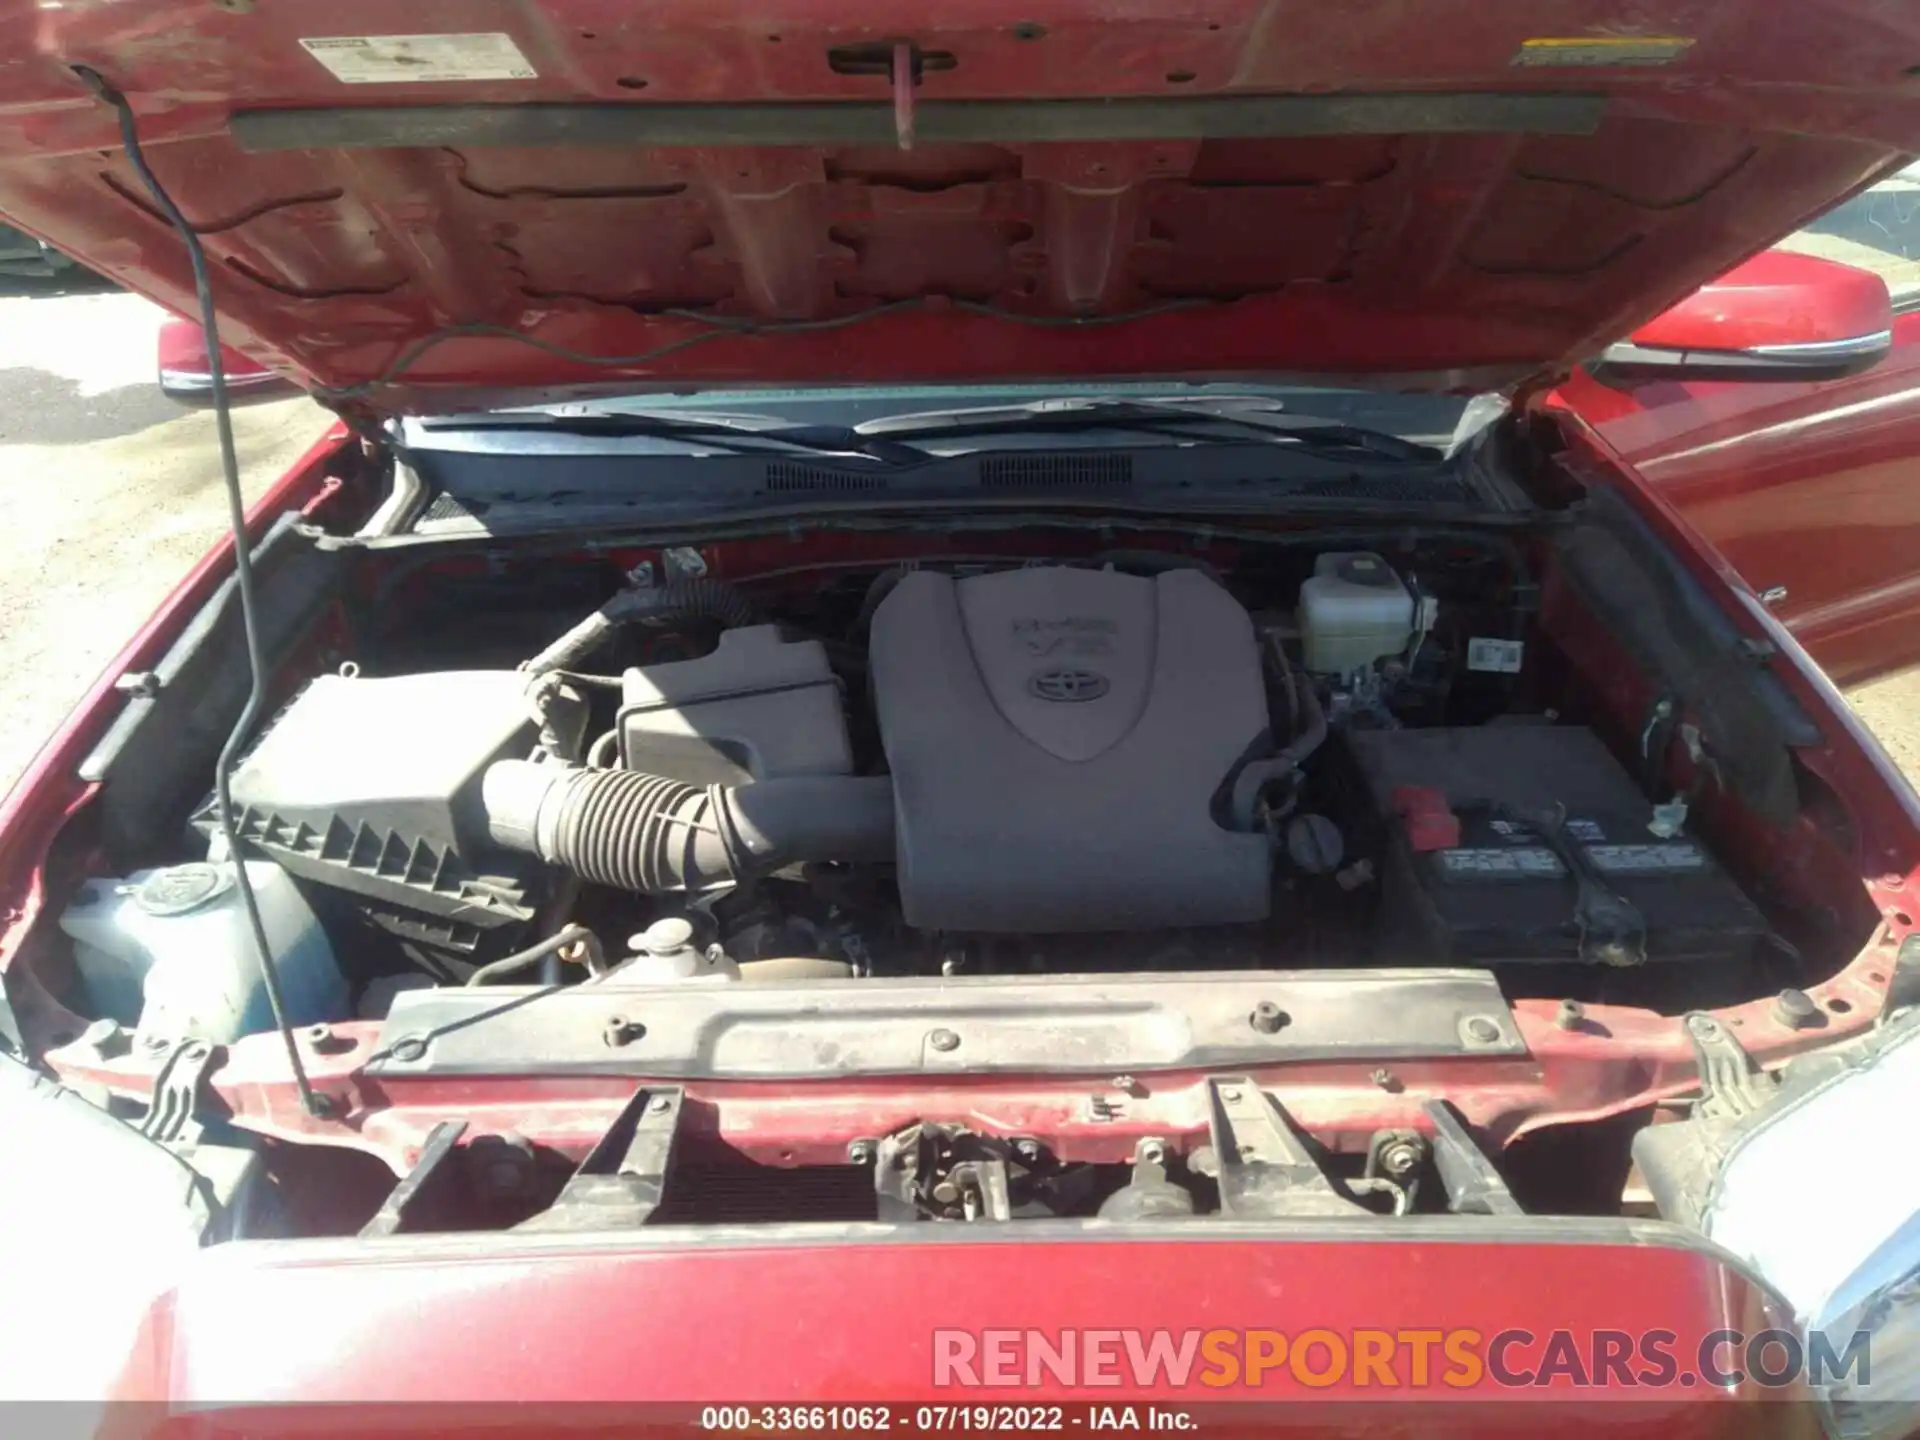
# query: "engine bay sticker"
[[1531, 862], [1502, 657], [1498, 864], [411, 59], [1586, 831], [1590, 50]]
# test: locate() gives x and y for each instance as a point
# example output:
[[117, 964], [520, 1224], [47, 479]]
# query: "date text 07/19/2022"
[[940, 1418]]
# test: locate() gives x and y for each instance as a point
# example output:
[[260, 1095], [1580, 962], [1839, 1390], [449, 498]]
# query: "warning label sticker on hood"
[[1592, 50], [411, 59]]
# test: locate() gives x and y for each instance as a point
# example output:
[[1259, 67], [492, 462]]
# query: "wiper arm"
[[838, 440], [1170, 416], [896, 440]]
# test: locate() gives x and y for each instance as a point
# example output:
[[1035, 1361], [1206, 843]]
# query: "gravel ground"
[[1891, 708], [111, 492]]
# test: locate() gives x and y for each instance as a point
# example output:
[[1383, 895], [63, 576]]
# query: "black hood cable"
[[316, 1104]]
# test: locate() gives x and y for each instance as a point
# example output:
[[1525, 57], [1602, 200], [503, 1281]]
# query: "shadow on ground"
[[41, 408]]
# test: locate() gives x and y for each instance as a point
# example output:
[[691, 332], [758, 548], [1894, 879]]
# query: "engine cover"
[[1057, 737]]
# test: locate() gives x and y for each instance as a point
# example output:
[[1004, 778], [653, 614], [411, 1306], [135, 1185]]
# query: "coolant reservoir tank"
[[1354, 609], [171, 950]]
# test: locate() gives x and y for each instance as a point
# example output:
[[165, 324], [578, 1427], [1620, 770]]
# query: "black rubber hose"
[[1256, 775], [1280, 676], [675, 602], [650, 834], [1314, 734], [589, 943]]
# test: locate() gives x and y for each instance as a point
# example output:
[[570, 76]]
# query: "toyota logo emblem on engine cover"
[[1067, 687]]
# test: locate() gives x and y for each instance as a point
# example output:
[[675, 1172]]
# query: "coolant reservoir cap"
[[180, 888], [672, 935], [1368, 570]]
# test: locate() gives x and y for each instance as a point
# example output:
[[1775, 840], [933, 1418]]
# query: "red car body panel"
[[1434, 198], [786, 1316], [1779, 297], [758, 1316], [1806, 489], [1448, 258], [186, 376]]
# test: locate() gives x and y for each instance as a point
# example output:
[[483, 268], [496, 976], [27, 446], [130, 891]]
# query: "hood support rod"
[[315, 1104]]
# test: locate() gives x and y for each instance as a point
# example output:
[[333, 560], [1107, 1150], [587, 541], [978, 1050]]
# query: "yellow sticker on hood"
[[1590, 50]]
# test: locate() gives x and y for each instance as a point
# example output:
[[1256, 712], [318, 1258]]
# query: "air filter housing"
[[372, 785]]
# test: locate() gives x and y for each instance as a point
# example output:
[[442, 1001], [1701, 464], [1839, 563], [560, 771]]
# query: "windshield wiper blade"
[[899, 440], [837, 440], [1170, 416]]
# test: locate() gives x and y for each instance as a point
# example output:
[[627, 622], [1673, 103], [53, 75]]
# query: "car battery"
[[1467, 880]]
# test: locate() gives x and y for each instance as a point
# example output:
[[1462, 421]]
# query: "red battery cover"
[[1429, 819]]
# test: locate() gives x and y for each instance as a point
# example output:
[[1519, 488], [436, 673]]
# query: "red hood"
[[1446, 193]]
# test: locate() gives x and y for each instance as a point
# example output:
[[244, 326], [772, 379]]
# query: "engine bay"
[[1131, 762], [1085, 826]]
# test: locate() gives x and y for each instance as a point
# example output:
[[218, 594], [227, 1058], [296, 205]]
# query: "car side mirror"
[[1780, 316], [185, 379]]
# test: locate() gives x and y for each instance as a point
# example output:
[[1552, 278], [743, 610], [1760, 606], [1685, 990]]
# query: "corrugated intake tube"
[[650, 834], [673, 602]]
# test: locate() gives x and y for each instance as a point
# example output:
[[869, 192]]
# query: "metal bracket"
[[1473, 1186], [624, 1178], [1095, 1030], [422, 1184], [1394, 1161], [1150, 1195], [1266, 1171], [683, 562], [178, 1090], [1731, 1085], [905, 75], [946, 1172], [12, 1042], [1903, 986], [983, 1189], [1704, 765], [896, 1175], [1655, 737]]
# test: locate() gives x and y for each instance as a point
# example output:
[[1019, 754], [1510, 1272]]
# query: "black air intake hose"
[[647, 833], [671, 603]]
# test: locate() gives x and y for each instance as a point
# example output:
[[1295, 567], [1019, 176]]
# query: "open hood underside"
[[1443, 194]]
